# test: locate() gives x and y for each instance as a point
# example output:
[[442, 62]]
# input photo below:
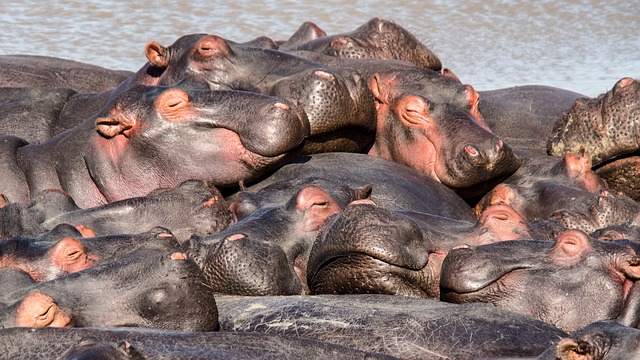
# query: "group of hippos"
[[325, 196]]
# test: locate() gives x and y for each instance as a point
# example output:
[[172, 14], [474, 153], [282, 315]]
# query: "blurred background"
[[584, 46]]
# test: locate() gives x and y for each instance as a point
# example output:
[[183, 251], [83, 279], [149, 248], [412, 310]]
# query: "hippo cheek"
[[364, 274]]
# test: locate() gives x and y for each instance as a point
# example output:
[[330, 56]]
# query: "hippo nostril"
[[471, 150]]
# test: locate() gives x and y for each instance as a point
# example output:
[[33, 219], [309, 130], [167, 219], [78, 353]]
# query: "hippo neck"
[[61, 163]]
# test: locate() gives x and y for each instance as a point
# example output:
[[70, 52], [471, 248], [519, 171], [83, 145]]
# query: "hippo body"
[[375, 39], [524, 116], [139, 343], [394, 186], [31, 71], [64, 250], [421, 329], [151, 288], [43, 106], [130, 148], [510, 275], [191, 207]]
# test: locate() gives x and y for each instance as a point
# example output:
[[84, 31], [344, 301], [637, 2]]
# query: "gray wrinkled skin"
[[404, 327], [605, 127], [54, 343]]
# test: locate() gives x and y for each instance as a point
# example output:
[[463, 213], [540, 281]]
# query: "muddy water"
[[584, 46]]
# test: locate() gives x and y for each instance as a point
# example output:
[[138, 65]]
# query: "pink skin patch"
[[236, 237], [86, 231], [281, 106], [471, 150], [474, 100], [324, 74], [363, 202], [178, 256], [625, 82], [210, 202]]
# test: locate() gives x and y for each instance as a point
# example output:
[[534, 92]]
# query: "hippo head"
[[376, 39], [599, 210], [48, 260], [431, 123], [209, 60], [545, 279], [158, 137], [266, 252], [599, 340], [606, 126], [367, 249]]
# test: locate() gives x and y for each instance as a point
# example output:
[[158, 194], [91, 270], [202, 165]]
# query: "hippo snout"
[[487, 154]]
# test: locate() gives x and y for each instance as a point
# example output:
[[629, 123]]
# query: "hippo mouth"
[[490, 291], [362, 273], [467, 278]]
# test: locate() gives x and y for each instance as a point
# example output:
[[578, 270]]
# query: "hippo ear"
[[316, 205], [69, 255], [171, 103], [114, 125], [570, 244], [40, 310], [378, 89], [156, 54], [450, 74], [568, 349]]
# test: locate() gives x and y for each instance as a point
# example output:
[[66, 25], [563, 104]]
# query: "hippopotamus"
[[600, 210], [601, 340], [425, 112], [46, 260], [64, 249], [511, 274], [266, 252], [524, 116], [139, 343], [31, 71], [394, 186], [148, 288], [333, 98], [375, 39], [248, 201], [130, 148], [404, 327], [545, 184], [606, 127], [398, 252], [191, 207]]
